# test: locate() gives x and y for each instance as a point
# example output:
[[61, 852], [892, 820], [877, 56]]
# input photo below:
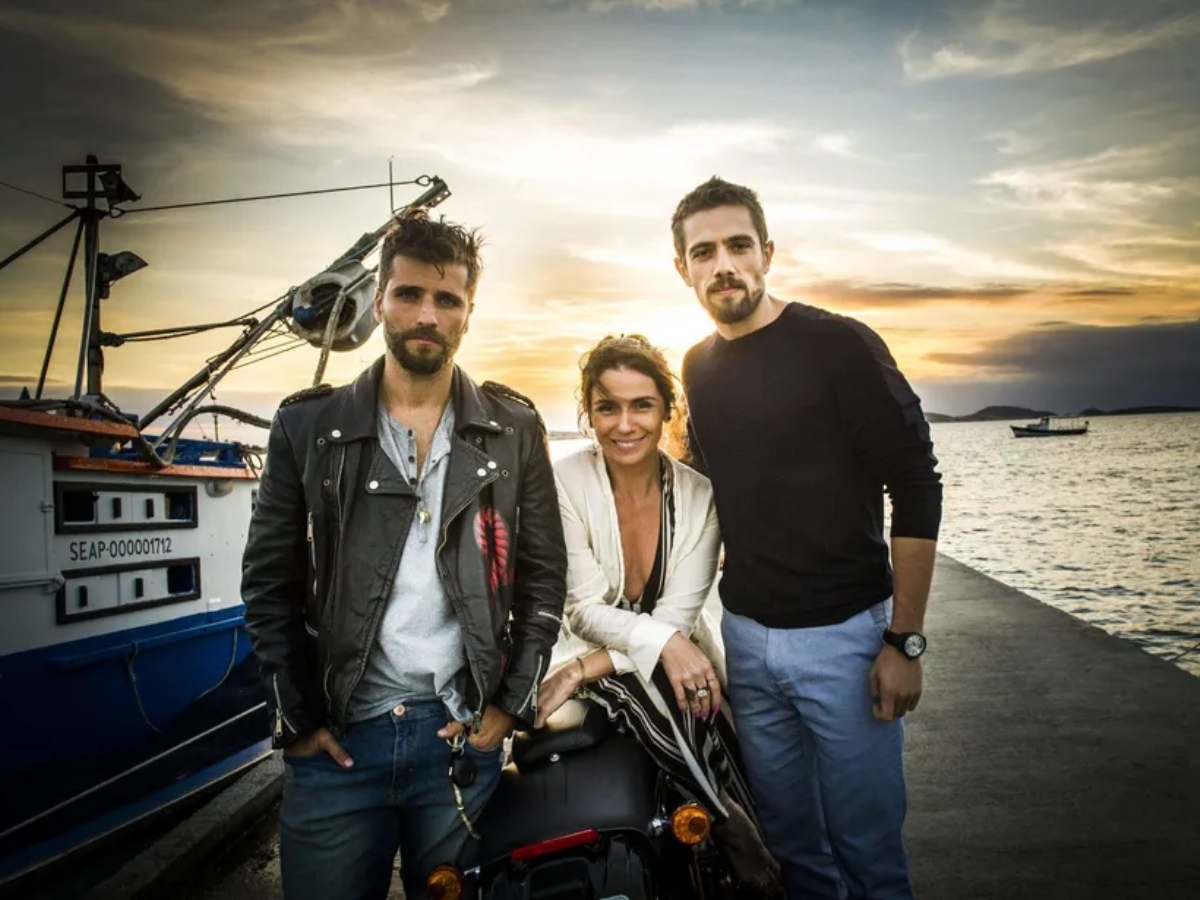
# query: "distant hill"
[[1140, 411], [1005, 414], [1012, 413]]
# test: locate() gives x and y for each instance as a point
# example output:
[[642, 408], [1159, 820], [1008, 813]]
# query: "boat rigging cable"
[[260, 341], [13, 187]]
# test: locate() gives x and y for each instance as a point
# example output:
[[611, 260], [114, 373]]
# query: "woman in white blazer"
[[642, 552]]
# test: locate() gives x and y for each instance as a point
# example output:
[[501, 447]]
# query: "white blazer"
[[596, 570]]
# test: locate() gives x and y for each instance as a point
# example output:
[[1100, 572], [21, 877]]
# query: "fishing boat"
[[1051, 426], [128, 681]]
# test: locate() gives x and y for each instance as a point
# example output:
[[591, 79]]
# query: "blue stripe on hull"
[[77, 701], [85, 748]]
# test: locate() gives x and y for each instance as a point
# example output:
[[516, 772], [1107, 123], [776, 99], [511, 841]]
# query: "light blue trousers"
[[827, 776]]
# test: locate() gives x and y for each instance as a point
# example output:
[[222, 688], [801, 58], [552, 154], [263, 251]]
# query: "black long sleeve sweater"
[[802, 426]]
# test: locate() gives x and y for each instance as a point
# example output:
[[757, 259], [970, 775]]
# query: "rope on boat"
[[117, 212], [228, 669], [13, 187], [137, 695], [327, 340]]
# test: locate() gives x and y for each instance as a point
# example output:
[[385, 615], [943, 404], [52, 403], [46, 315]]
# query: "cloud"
[[29, 381], [1102, 292], [1082, 365], [321, 82], [603, 6], [1014, 143], [1000, 43], [842, 294], [835, 144], [936, 251], [429, 12], [1122, 187], [1162, 257]]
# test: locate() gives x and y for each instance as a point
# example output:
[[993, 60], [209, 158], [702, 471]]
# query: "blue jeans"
[[827, 776], [340, 829]]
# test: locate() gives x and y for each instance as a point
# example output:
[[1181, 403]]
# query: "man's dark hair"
[[439, 243], [714, 193]]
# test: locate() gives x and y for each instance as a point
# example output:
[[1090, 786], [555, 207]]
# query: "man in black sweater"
[[802, 420]]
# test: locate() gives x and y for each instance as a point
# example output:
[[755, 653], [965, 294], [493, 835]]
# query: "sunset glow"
[[971, 180]]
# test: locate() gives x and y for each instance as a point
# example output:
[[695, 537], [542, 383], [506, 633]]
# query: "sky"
[[1009, 193]]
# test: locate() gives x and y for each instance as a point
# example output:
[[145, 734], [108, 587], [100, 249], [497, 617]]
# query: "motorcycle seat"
[[576, 725]]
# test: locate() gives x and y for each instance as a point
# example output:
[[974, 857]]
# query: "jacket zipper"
[[280, 718], [333, 580], [478, 717], [532, 696], [312, 552]]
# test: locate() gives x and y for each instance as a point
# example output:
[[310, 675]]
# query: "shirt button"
[[335, 433], [494, 424], [481, 473], [491, 464], [374, 485]]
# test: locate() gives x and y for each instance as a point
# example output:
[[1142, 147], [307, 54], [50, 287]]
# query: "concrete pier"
[[1047, 759]]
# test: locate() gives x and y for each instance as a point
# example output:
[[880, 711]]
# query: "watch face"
[[914, 645]]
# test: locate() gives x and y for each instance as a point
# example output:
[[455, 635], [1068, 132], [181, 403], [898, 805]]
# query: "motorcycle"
[[583, 812]]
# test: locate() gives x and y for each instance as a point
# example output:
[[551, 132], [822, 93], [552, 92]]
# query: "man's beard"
[[727, 312], [429, 363]]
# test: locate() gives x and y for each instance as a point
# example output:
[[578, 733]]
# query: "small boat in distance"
[[1051, 426]]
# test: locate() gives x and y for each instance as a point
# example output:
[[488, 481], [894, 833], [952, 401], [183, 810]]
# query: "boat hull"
[[1019, 431], [124, 661]]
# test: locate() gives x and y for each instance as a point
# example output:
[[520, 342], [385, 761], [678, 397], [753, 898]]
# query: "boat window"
[[79, 506], [181, 579], [120, 506], [181, 505], [114, 590]]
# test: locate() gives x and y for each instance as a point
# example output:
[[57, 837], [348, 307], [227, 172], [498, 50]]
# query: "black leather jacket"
[[329, 523]]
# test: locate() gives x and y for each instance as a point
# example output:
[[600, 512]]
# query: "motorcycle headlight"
[[690, 824], [444, 883]]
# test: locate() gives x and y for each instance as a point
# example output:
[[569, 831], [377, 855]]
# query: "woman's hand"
[[556, 689], [692, 676]]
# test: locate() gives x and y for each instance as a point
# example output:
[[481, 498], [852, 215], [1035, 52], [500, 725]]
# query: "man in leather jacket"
[[404, 581]]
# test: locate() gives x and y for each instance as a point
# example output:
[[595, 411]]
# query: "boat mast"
[[101, 180]]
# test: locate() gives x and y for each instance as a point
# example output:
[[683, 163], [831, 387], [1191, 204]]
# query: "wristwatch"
[[910, 643]]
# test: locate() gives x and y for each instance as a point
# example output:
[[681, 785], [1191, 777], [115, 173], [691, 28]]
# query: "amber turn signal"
[[690, 824], [444, 883]]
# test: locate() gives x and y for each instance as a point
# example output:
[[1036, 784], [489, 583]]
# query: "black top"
[[801, 425], [656, 582]]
